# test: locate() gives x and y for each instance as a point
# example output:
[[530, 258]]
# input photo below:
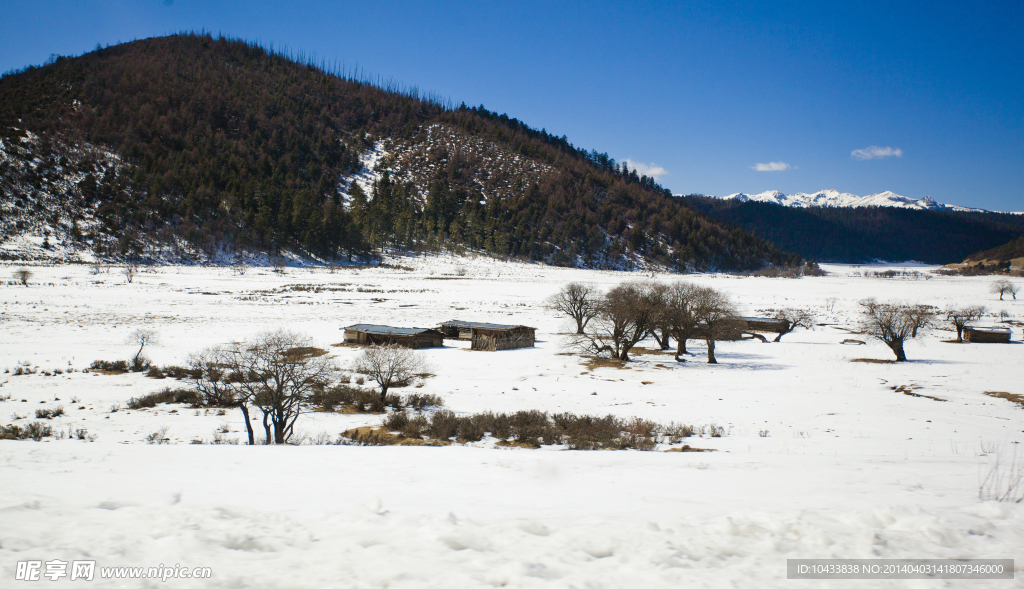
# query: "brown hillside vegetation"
[[223, 143]]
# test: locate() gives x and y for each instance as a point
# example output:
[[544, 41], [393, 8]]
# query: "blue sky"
[[701, 93]]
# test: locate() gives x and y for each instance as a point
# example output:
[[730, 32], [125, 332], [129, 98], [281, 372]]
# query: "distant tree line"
[[856, 235]]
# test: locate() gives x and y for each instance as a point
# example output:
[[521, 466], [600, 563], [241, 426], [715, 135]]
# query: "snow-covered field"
[[822, 458]]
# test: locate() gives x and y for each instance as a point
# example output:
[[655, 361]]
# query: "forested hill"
[[857, 235], [187, 145]]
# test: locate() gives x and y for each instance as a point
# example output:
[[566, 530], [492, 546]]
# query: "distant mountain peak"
[[834, 198]]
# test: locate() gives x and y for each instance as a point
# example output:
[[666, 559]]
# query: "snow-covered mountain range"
[[834, 198]]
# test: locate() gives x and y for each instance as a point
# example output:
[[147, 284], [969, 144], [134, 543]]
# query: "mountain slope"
[[858, 235], [1005, 253], [223, 144], [834, 198]]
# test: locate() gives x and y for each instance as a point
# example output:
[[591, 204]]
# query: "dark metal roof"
[[387, 330], [474, 325]]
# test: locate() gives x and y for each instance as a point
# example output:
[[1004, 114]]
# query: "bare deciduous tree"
[[389, 365], [129, 270], [276, 372], [889, 323], [23, 274], [716, 318], [961, 317], [142, 337], [211, 376], [793, 318], [626, 316], [1004, 287], [921, 317], [678, 314], [577, 300]]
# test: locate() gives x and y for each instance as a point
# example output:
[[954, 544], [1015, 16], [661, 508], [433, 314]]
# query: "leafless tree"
[[961, 317], [792, 319], [129, 270], [577, 300], [889, 323], [23, 274], [921, 317], [1004, 287], [626, 315], [716, 318], [661, 331], [276, 372], [211, 376], [142, 337], [389, 365], [279, 263], [678, 314]]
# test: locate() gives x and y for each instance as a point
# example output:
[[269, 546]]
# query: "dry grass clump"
[[1018, 399], [592, 362], [50, 413], [167, 395], [533, 429], [873, 361]]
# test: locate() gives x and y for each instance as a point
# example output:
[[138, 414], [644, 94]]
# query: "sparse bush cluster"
[[116, 366], [364, 401], [168, 395], [35, 430], [537, 428], [50, 413]]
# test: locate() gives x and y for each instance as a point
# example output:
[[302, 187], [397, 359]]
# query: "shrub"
[[50, 413], [117, 366], [419, 402], [155, 372], [35, 430], [158, 437], [180, 372], [167, 395]]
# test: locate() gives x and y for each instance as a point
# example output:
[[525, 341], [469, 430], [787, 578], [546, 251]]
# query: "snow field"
[[848, 468]]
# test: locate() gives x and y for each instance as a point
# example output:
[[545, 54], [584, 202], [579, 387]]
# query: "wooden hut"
[[987, 335], [766, 324], [491, 336], [384, 335]]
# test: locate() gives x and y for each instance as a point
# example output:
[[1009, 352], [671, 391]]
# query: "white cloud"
[[653, 170], [772, 167], [875, 152]]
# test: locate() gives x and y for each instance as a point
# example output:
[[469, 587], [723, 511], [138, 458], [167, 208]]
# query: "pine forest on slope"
[[185, 146], [864, 234]]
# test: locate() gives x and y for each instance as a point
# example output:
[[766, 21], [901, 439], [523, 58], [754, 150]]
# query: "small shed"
[[767, 324], [491, 336], [987, 335], [384, 335]]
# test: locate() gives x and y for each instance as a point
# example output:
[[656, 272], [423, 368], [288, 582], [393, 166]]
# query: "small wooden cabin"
[[491, 336], [383, 335], [987, 335], [766, 324]]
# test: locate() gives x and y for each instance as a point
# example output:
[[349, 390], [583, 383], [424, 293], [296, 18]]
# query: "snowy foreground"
[[822, 457]]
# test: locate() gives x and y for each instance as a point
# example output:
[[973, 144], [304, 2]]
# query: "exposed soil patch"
[[688, 448], [1018, 399], [873, 361], [909, 390]]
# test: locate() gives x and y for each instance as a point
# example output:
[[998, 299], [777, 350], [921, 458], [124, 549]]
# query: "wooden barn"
[[987, 335], [384, 335], [491, 336], [766, 324]]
